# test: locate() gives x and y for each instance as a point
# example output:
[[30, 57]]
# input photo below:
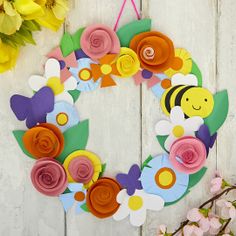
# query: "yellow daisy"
[[54, 13], [10, 19], [29, 9], [182, 63], [83, 166], [8, 56]]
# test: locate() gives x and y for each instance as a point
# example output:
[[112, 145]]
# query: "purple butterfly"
[[131, 180], [35, 109], [204, 135]]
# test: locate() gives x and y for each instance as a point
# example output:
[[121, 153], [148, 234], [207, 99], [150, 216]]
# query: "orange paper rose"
[[44, 140], [155, 51], [101, 197]]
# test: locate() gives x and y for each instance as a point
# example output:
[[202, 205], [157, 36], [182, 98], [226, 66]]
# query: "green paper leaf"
[[75, 94], [18, 136], [161, 140], [84, 207], [76, 138], [127, 32], [66, 191], [196, 71], [103, 170], [219, 113], [66, 44], [196, 177], [145, 163], [76, 38]]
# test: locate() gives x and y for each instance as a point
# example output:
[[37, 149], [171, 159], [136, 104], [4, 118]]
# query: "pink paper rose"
[[98, 40], [188, 154], [81, 170], [49, 177]]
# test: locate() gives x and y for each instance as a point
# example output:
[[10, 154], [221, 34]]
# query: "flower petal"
[[137, 218], [121, 196], [67, 200], [163, 127], [73, 187], [176, 115], [70, 84], [121, 213], [36, 82], [65, 96], [169, 141], [193, 123], [194, 215], [52, 68], [154, 202]]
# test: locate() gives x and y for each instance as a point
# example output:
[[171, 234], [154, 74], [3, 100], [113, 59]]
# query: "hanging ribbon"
[[121, 12]]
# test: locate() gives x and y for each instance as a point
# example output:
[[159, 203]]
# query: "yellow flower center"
[[62, 119], [165, 178], [85, 74], [135, 203], [55, 84], [178, 131], [106, 69]]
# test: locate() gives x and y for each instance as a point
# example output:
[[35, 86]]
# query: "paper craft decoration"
[[52, 80], [178, 126], [35, 109], [97, 56]]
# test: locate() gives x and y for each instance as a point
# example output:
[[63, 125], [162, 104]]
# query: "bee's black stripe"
[[180, 95], [168, 96]]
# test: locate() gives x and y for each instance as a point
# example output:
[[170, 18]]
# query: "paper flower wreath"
[[56, 137]]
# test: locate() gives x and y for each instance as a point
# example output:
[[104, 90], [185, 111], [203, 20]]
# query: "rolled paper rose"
[[49, 177], [44, 140], [82, 166], [98, 40], [188, 155], [155, 51], [101, 197], [127, 63], [81, 169]]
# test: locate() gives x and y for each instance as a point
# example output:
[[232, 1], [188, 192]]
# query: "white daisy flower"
[[52, 79], [178, 126], [136, 206]]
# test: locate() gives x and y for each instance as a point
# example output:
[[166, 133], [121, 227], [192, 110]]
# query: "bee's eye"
[[187, 99], [205, 99]]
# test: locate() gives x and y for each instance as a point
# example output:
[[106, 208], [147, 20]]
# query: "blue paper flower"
[[83, 75], [159, 177], [64, 116], [160, 88], [77, 194]]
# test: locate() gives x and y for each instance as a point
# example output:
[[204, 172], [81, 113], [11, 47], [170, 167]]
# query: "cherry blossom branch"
[[211, 200], [224, 227]]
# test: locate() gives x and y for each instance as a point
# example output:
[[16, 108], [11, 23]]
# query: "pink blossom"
[[195, 215], [192, 230], [215, 225], [216, 185], [227, 210], [162, 230]]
